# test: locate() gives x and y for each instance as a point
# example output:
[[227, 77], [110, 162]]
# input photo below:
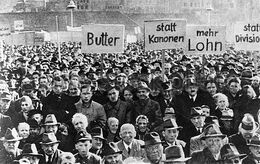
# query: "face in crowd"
[[142, 124], [154, 152], [198, 121], [23, 130], [192, 90], [127, 133], [97, 143], [83, 147], [113, 95], [113, 124], [80, 122], [86, 94], [170, 134], [113, 159], [234, 87], [51, 129], [50, 149], [128, 95], [211, 88], [57, 86], [11, 146], [143, 94], [214, 144]]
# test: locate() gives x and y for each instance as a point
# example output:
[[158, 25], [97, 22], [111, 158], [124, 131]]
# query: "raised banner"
[[5, 29], [247, 36], [165, 34], [206, 39], [103, 38]]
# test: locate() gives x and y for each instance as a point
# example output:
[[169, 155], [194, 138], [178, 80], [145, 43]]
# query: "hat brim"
[[177, 160], [118, 152], [100, 137], [253, 130], [48, 143], [29, 154], [179, 127], [215, 135], [51, 124], [144, 146], [15, 139], [145, 88]]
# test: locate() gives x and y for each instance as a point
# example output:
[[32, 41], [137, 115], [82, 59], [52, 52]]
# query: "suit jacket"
[[136, 150], [95, 113], [204, 157], [96, 151], [121, 111], [186, 103], [92, 158], [5, 122], [177, 142], [240, 143], [54, 159], [249, 160], [150, 108]]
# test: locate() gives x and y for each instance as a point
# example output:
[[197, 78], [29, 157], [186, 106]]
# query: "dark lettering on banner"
[[160, 39], [247, 38], [252, 28], [103, 40], [208, 46], [168, 27]]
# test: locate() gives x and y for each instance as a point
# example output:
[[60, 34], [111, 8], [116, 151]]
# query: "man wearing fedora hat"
[[146, 106], [49, 145], [30, 152], [230, 154], [247, 128], [111, 154], [83, 145], [97, 140], [153, 148], [175, 154], [254, 147], [170, 134], [213, 143], [10, 142]]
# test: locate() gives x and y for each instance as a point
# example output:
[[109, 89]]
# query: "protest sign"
[[206, 39], [5, 29], [165, 34], [103, 38], [18, 25], [247, 36]]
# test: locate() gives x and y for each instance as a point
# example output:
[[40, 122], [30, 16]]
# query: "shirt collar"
[[128, 146]]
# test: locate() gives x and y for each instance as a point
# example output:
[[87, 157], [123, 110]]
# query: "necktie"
[[49, 159], [129, 150]]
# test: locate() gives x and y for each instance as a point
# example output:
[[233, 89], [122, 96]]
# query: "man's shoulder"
[[94, 156], [96, 104], [140, 142]]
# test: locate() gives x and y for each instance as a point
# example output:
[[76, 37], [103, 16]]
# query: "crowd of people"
[[78, 108]]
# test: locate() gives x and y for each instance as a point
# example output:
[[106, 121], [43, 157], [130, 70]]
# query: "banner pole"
[[163, 65]]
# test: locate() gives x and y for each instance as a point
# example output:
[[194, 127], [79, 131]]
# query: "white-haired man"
[[130, 146]]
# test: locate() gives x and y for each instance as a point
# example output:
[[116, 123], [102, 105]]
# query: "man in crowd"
[[111, 154], [170, 134], [30, 152], [130, 146], [153, 148], [229, 154], [146, 106], [10, 142], [211, 153], [247, 129], [49, 145], [97, 141], [116, 107], [83, 144], [254, 147], [94, 111]]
